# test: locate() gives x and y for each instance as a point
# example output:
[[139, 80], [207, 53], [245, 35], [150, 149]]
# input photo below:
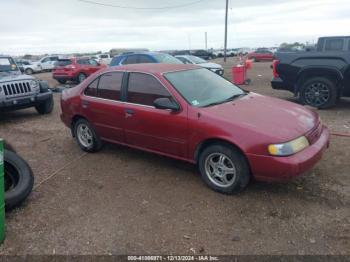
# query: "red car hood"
[[278, 119]]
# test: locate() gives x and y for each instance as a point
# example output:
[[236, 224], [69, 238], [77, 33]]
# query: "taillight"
[[274, 68], [69, 67]]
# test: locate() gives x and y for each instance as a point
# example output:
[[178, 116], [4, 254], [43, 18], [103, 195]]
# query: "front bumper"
[[25, 102], [271, 168]]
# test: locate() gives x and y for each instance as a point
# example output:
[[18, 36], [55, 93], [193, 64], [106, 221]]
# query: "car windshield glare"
[[201, 87], [167, 59]]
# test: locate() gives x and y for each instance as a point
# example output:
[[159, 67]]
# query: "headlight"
[[289, 148], [33, 84]]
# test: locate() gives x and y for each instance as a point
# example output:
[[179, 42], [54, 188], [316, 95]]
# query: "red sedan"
[[192, 114], [261, 55], [75, 69]]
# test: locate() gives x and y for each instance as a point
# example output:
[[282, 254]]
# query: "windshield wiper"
[[231, 98]]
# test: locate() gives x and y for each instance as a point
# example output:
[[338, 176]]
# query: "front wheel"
[[81, 77], [45, 107], [224, 169], [86, 136], [319, 92]]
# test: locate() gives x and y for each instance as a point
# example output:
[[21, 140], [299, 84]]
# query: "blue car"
[[144, 57]]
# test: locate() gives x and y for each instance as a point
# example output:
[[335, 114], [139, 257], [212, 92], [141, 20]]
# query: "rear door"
[[146, 127], [101, 104]]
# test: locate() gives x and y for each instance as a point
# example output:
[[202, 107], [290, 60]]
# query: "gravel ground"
[[123, 201]]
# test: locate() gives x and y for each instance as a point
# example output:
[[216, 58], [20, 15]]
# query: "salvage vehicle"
[[18, 91], [319, 79], [75, 69], [190, 113], [28, 67], [190, 59], [104, 59], [18, 178], [47, 63], [261, 54], [142, 58], [204, 54]]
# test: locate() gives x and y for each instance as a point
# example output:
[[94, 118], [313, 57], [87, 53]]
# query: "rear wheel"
[[224, 169], [62, 81], [319, 92], [81, 77], [86, 136]]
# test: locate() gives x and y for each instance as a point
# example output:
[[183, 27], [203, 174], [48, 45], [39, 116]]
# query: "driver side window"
[[143, 89]]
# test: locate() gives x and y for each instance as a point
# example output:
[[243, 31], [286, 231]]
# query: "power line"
[[141, 8]]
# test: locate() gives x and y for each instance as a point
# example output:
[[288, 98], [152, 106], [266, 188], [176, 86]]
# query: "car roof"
[[156, 68], [141, 53]]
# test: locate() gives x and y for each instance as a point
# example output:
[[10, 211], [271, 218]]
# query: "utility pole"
[[225, 49], [206, 41]]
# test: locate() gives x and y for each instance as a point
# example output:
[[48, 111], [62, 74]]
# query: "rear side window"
[[110, 85], [131, 60], [143, 89], [334, 44], [145, 59], [91, 90], [63, 62]]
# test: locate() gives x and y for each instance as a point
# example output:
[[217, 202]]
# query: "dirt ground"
[[123, 201]]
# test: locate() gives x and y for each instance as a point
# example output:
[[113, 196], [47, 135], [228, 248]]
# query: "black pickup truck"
[[318, 78]]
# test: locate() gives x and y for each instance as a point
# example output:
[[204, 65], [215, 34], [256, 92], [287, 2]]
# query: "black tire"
[[29, 71], [95, 144], [81, 77], [319, 92], [239, 162], [62, 81], [45, 107], [19, 180], [254, 59]]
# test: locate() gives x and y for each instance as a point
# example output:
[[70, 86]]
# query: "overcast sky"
[[50, 26]]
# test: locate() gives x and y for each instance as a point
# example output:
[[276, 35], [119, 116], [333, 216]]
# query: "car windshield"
[[166, 59], [197, 60], [7, 64], [201, 87]]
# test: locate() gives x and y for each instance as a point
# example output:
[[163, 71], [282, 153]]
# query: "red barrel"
[[238, 74]]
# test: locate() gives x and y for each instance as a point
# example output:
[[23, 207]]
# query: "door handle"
[[85, 103], [129, 113]]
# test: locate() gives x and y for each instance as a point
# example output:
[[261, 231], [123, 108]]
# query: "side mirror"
[[166, 103]]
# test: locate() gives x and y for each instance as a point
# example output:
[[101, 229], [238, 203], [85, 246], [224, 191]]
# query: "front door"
[[101, 104], [145, 126]]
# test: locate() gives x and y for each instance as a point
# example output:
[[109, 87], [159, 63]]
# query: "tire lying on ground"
[[18, 179]]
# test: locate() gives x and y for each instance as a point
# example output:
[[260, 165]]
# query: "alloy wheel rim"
[[85, 135], [81, 78], [220, 170], [317, 94]]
